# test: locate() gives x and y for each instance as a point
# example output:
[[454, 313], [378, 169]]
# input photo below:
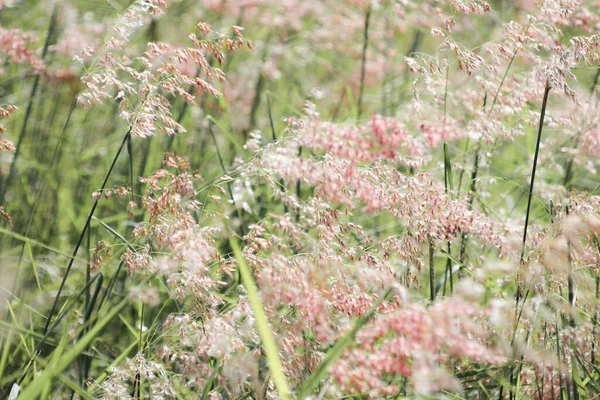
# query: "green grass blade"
[[209, 382], [5, 344], [262, 325], [34, 265], [338, 348], [114, 233], [38, 244], [225, 131], [34, 390]]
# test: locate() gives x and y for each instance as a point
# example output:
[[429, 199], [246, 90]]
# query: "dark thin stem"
[[571, 288], [535, 160], [260, 82], [415, 43], [472, 191], [111, 284], [59, 318], [514, 378], [570, 283], [298, 188], [82, 235], [229, 188], [86, 360], [338, 105], [387, 67], [364, 59], [560, 374], [271, 124], [34, 88], [274, 136], [595, 322], [431, 271], [572, 318], [471, 197], [448, 186], [130, 159], [88, 269], [36, 201]]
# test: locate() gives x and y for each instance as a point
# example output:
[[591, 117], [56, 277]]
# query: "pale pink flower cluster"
[[471, 7], [5, 112], [81, 34], [380, 139], [570, 243], [414, 341], [172, 228], [547, 373], [419, 201], [143, 94], [370, 206], [321, 281], [15, 47], [132, 19]]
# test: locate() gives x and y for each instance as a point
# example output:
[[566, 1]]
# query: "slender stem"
[[338, 105], [82, 235], [13, 166], [386, 72], [274, 136], [258, 88], [229, 188], [515, 377], [271, 124], [535, 161], [472, 191], [59, 318], [595, 322], [572, 319], [36, 201], [571, 285], [448, 185], [431, 271], [364, 59], [299, 188]]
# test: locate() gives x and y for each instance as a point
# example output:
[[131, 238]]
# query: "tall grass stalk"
[[533, 171], [448, 185], [83, 232], [262, 324], [363, 64], [32, 96], [34, 390], [519, 295], [431, 271], [300, 263]]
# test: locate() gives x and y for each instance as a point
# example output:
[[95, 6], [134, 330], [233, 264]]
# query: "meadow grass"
[[335, 201]]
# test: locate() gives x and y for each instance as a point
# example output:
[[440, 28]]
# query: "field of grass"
[[342, 199]]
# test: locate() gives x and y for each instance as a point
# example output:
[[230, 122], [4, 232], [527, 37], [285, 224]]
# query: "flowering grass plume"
[[381, 199]]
